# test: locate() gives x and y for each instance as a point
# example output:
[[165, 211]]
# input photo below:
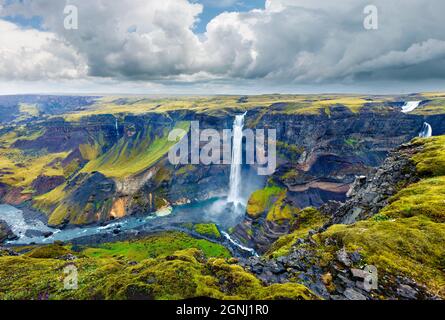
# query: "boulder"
[[6, 233]]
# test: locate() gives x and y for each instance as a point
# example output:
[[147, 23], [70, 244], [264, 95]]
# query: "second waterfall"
[[237, 159]]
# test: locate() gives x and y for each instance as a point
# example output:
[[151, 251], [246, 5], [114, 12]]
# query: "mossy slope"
[[406, 238], [164, 274]]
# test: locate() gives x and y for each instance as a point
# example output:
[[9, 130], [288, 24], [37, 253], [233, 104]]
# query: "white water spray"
[[427, 131], [236, 244], [410, 106], [237, 158], [117, 128]]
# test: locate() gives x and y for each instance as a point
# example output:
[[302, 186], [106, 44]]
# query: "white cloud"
[[290, 41], [35, 55], [128, 38]]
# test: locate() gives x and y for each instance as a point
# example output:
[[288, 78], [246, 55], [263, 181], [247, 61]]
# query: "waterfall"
[[237, 158], [427, 131], [117, 128], [410, 106]]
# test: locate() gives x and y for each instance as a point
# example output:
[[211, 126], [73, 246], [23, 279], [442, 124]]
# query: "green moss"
[[132, 156], [90, 151], [380, 217], [305, 220], [426, 197], [280, 211], [49, 252], [46, 202], [410, 246], [430, 161], [261, 200], [286, 291], [71, 168], [155, 246], [240, 284], [208, 230], [180, 275], [22, 168]]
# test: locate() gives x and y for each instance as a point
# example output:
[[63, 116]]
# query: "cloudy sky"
[[221, 46]]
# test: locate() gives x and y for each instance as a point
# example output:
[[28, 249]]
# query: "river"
[[32, 229]]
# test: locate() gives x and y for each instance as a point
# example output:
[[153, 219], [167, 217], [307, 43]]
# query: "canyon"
[[89, 178]]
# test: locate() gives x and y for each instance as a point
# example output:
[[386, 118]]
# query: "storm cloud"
[[287, 42]]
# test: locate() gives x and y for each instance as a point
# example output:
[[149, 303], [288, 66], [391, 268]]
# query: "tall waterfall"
[[237, 158], [117, 128], [427, 131]]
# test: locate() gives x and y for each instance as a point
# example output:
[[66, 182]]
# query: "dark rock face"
[[340, 146], [61, 136], [368, 196], [89, 199], [335, 150], [342, 278], [259, 233], [6, 232], [3, 190], [44, 184], [200, 184]]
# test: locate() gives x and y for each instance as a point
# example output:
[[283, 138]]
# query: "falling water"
[[237, 158], [410, 106], [427, 131], [117, 128]]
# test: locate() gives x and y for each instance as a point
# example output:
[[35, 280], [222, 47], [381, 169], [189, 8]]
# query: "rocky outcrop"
[[342, 278], [6, 232], [368, 195], [335, 262], [259, 233]]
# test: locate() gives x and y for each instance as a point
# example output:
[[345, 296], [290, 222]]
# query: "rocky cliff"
[[390, 250], [369, 195]]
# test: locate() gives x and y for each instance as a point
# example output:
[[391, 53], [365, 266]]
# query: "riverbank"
[[30, 226]]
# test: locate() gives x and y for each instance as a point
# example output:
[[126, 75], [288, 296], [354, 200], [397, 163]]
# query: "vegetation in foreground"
[[405, 239], [165, 266]]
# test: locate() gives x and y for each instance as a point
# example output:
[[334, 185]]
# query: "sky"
[[222, 46]]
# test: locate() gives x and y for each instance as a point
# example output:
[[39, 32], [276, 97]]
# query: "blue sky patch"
[[212, 8]]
